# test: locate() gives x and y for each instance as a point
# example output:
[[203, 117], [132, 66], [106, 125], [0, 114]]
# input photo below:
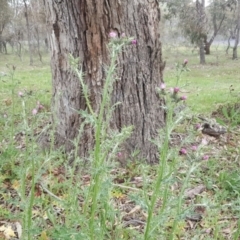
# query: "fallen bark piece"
[[192, 192]]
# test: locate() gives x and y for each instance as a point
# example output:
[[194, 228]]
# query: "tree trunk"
[[235, 55], [28, 33], [3, 45], [38, 43], [82, 28], [207, 46], [200, 6], [229, 44], [216, 28], [202, 52]]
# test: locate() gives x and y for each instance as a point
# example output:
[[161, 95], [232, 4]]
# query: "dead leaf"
[[208, 230], [8, 101], [227, 230], [196, 217], [192, 192], [135, 209], [19, 229], [43, 236], [16, 185], [191, 224], [200, 209], [38, 190], [2, 236], [7, 231]]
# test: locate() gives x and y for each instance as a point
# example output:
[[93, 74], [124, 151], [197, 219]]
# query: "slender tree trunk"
[[38, 44], [3, 48], [82, 28], [202, 52], [217, 27], [207, 46], [235, 54], [229, 44], [28, 33], [1, 44], [201, 18]]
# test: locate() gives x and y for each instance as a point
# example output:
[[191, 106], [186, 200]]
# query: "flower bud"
[[194, 148], [34, 111], [205, 157], [20, 94], [183, 151], [176, 89], [198, 125], [183, 98], [112, 34], [134, 42], [163, 86]]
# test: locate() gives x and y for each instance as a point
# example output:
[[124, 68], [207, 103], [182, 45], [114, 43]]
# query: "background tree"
[[81, 28], [26, 14], [199, 23], [237, 30], [191, 19], [216, 14], [39, 31], [14, 34], [5, 16], [201, 28], [26, 23]]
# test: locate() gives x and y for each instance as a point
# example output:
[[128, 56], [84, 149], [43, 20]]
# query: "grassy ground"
[[192, 195], [206, 85], [34, 80]]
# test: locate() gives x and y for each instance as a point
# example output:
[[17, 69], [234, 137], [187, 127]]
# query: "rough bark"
[[81, 28]]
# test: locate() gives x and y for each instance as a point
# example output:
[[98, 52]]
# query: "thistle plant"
[[165, 167], [104, 150], [14, 84], [180, 69]]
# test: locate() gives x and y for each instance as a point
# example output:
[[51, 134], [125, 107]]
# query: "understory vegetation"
[[192, 193]]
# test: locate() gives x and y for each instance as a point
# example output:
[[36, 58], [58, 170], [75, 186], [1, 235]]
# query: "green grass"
[[206, 86], [34, 80], [102, 200]]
